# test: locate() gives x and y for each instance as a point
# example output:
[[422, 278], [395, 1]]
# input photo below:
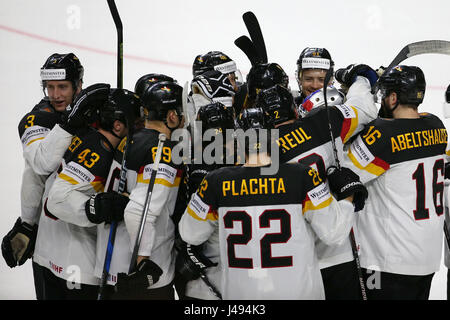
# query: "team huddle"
[[111, 209]]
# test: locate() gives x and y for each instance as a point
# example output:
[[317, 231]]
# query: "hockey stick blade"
[[418, 48], [421, 47], [254, 29], [247, 46]]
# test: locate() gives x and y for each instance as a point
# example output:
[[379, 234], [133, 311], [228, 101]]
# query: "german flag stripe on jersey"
[[98, 184], [349, 126], [200, 210], [377, 166]]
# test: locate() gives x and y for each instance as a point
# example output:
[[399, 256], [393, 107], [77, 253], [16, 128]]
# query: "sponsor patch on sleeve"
[[346, 111], [319, 194], [361, 153], [165, 172], [78, 173], [33, 134], [198, 207]]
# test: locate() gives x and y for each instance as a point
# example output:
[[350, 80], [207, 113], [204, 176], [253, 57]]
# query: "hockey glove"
[[139, 281], [447, 171], [18, 244], [106, 207], [347, 76], [191, 262], [80, 113], [344, 182]]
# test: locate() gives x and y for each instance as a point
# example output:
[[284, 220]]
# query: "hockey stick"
[[327, 79], [210, 285], [247, 46], [418, 48], [254, 29], [151, 184], [123, 172], [119, 28]]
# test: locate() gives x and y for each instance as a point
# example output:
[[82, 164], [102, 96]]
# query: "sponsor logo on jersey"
[[319, 194], [198, 207], [361, 152], [79, 173], [165, 172], [346, 111], [33, 133]]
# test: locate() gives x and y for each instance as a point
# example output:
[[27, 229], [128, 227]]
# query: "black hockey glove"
[[18, 244], [344, 182], [136, 284], [191, 262], [80, 113], [347, 76], [106, 207], [447, 170]]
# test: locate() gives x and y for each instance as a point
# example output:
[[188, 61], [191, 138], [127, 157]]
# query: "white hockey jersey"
[[266, 226], [44, 144], [308, 141], [66, 240], [159, 230], [401, 162]]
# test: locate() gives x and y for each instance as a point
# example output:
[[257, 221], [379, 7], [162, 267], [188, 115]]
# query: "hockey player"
[[153, 275], [266, 225], [446, 107], [216, 60], [121, 254], [75, 203], [312, 66], [400, 157], [44, 141], [307, 140], [218, 118]]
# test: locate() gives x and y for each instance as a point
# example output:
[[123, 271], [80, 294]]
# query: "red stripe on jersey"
[[346, 125], [381, 163]]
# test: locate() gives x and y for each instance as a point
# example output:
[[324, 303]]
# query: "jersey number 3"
[[267, 260]]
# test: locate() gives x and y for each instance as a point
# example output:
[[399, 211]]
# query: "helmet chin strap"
[[387, 113]]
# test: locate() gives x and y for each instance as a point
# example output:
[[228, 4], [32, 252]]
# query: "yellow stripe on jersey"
[[447, 152], [164, 182], [98, 186], [67, 178], [371, 167], [210, 216], [309, 206], [34, 140], [353, 125]]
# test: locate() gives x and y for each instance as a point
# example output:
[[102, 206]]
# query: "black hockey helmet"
[[148, 80], [213, 60], [265, 75], [407, 81], [122, 105], [163, 96], [278, 103], [216, 116], [254, 118], [314, 58], [62, 67]]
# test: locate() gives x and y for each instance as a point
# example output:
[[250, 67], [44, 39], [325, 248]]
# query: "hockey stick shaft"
[[113, 228], [210, 285], [147, 202], [327, 79], [119, 28]]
